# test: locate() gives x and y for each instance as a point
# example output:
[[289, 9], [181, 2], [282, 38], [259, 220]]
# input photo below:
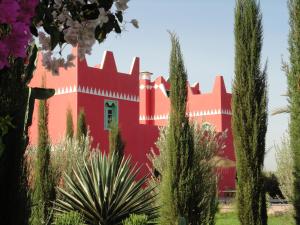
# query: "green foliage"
[[31, 65], [182, 221], [106, 191], [5, 124], [294, 98], [116, 144], [43, 187], [207, 142], [134, 219], [231, 218], [249, 105], [79, 11], [175, 186], [69, 124], [68, 218], [285, 165], [66, 154], [272, 186], [188, 182], [81, 126], [17, 103]]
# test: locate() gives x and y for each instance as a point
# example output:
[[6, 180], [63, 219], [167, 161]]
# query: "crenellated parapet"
[[138, 103], [107, 77], [155, 104]]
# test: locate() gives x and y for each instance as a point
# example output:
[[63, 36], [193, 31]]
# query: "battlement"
[[108, 64], [155, 102], [106, 75], [83, 78], [160, 84], [140, 105]]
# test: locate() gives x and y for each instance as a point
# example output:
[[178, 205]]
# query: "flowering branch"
[[56, 22]]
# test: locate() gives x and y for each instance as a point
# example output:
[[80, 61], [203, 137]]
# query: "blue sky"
[[205, 30]]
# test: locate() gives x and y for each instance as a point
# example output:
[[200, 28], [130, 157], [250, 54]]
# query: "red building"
[[138, 104]]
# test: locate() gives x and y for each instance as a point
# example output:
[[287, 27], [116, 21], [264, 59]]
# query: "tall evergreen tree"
[[249, 105], [294, 97], [69, 125], [116, 144], [176, 192], [44, 188], [81, 126]]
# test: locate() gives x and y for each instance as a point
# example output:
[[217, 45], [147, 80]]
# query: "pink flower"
[[9, 11], [18, 39], [27, 10], [3, 55]]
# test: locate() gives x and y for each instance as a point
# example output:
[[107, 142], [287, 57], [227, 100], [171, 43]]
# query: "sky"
[[206, 32]]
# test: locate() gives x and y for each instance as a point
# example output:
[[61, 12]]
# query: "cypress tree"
[[176, 191], [116, 144], [81, 126], [249, 120], [69, 125], [44, 188], [294, 97]]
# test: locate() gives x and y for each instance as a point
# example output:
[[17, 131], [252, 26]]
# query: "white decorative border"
[[189, 114], [97, 92], [149, 87]]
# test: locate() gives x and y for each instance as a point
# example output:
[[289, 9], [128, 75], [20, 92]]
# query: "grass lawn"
[[231, 219]]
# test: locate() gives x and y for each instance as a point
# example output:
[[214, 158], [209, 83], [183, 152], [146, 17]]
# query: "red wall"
[[213, 108], [143, 105]]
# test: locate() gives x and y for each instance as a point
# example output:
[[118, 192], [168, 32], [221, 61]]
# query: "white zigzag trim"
[[94, 91]]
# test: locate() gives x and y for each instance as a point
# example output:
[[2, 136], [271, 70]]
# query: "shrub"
[[106, 191], [207, 143], [69, 218], [134, 219], [66, 154], [285, 164]]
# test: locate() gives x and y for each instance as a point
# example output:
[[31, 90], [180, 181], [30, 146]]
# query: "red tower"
[[138, 104]]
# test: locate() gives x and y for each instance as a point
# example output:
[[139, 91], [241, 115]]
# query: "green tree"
[[176, 192], [285, 162], [116, 144], [81, 126], [43, 187], [294, 97], [17, 98], [249, 105], [207, 143], [69, 124]]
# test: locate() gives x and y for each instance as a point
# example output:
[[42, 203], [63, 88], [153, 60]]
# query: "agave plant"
[[106, 191]]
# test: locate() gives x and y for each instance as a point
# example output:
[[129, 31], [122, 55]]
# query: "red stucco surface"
[[143, 105]]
